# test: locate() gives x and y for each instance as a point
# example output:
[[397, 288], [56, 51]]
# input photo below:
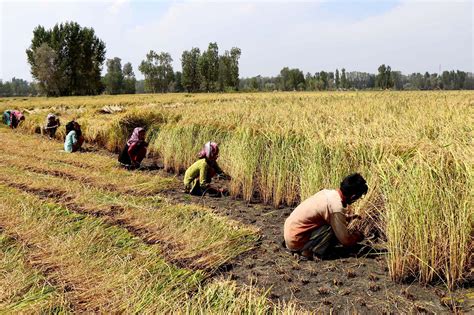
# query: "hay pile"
[[111, 109]]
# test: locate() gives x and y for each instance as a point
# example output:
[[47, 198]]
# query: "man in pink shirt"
[[320, 221]]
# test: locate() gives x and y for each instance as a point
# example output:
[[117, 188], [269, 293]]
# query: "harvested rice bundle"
[[371, 222], [111, 109]]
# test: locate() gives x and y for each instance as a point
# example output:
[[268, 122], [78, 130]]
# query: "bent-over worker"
[[199, 175]]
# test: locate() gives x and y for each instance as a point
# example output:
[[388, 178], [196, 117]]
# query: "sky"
[[358, 35]]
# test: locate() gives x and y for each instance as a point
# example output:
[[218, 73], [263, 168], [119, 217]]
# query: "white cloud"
[[116, 6], [415, 36]]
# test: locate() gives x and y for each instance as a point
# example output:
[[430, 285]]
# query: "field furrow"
[[104, 173], [181, 230]]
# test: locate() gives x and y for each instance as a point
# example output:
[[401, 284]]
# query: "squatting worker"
[[135, 149], [52, 124], [320, 222], [74, 138], [199, 175]]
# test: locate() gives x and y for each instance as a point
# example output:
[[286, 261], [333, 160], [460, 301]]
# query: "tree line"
[[201, 72], [67, 60], [386, 78]]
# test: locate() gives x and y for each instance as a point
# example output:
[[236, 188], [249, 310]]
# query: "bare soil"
[[354, 280]]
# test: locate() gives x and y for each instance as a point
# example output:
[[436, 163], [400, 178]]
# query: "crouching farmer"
[[320, 222], [13, 118], [74, 138], [198, 176], [135, 150], [52, 124]]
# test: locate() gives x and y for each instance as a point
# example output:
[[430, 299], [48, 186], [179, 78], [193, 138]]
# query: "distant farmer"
[[52, 124], [135, 150], [320, 222], [199, 175], [74, 138], [13, 118]]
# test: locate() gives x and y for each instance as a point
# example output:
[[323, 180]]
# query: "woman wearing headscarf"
[[199, 175], [13, 118], [135, 149], [6, 117], [74, 138], [17, 118], [52, 124]]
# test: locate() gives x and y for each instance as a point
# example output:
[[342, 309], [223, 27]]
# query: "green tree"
[[384, 79], [158, 71], [338, 81], [129, 80], [46, 71], [178, 85], [322, 81], [225, 77], [331, 81], [114, 78], [191, 77], [78, 60], [209, 68], [344, 82], [234, 67]]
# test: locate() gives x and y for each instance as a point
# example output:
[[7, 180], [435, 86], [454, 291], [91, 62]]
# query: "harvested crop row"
[[90, 167], [183, 230], [114, 180], [22, 288], [101, 268]]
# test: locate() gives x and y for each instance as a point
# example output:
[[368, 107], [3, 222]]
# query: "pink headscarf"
[[134, 138], [210, 151], [18, 115]]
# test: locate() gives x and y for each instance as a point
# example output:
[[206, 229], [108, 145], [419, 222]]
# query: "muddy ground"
[[348, 282]]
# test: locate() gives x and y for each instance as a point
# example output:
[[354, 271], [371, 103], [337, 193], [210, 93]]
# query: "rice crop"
[[414, 148]]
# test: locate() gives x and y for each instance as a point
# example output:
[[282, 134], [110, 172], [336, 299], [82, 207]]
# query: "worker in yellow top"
[[320, 222], [199, 175]]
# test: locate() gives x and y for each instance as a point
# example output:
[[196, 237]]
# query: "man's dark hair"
[[354, 184]]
